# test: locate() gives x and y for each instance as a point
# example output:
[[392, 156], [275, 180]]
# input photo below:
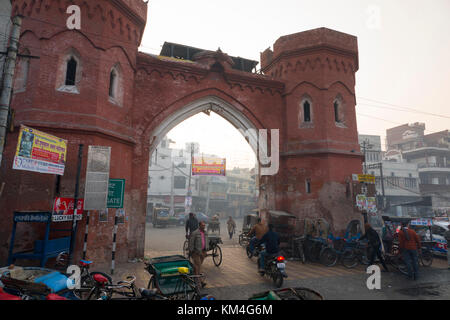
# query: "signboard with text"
[[63, 209], [116, 191], [40, 152], [97, 178], [368, 178], [203, 166]]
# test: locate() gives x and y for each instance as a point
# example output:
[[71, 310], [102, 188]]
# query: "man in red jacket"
[[409, 243]]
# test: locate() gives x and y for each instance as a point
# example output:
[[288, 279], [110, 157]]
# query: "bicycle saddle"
[[148, 293], [100, 279], [85, 263]]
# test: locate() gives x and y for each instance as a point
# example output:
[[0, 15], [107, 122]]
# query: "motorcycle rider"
[[272, 241], [259, 229]]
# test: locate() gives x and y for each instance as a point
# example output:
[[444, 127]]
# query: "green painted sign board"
[[116, 191]]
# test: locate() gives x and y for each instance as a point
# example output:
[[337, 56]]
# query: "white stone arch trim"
[[205, 104]]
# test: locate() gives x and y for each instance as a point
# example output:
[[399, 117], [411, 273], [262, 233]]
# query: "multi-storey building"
[[431, 154], [398, 180]]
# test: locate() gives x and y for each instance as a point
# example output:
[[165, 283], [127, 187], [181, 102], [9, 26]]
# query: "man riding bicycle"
[[191, 224]]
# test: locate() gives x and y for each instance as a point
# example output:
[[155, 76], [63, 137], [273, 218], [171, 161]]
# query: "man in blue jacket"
[[272, 241]]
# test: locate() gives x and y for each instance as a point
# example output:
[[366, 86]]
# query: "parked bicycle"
[[123, 290], [337, 250], [359, 253]]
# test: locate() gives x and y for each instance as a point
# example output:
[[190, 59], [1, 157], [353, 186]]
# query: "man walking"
[[231, 225], [374, 245], [198, 245], [447, 237], [409, 243]]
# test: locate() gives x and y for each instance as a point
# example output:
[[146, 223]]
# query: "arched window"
[[115, 89], [71, 72], [112, 83], [306, 112], [339, 111], [336, 111]]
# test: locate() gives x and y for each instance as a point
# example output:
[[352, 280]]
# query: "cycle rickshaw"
[[249, 221], [172, 277], [213, 248]]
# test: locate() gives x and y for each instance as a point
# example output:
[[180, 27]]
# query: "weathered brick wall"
[[156, 89]]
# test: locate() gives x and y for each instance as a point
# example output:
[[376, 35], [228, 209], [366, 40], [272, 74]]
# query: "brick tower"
[[320, 150]]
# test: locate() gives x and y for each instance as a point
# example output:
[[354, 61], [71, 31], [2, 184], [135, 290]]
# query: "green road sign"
[[116, 190]]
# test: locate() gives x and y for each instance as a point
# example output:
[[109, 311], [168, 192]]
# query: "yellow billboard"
[[206, 166], [38, 151]]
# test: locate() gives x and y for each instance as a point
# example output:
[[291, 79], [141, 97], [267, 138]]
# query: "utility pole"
[[380, 166], [189, 190], [207, 196], [172, 190], [10, 65], [366, 145]]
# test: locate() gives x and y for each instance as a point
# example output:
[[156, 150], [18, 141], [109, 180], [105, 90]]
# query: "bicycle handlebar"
[[131, 280]]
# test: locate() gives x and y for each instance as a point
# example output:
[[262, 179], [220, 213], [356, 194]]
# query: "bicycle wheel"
[[426, 258], [217, 256], [87, 282], [249, 253], [241, 240], [328, 257], [401, 266], [186, 249], [349, 259], [312, 251]]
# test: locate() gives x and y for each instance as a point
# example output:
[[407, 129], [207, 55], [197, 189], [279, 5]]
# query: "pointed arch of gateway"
[[209, 103]]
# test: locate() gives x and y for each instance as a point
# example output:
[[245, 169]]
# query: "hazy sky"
[[404, 54]]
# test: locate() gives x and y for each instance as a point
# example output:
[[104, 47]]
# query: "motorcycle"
[[275, 268], [258, 249]]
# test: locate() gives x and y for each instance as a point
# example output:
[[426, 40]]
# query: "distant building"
[[431, 153], [241, 191], [165, 180], [372, 145], [400, 180]]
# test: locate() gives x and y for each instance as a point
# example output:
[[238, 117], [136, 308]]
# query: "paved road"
[[236, 278]]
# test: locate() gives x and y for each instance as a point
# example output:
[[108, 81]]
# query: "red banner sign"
[[63, 209]]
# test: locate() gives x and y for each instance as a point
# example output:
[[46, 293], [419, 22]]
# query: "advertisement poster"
[[371, 204], [63, 209], [361, 201], [103, 215], [120, 213], [38, 151], [203, 166]]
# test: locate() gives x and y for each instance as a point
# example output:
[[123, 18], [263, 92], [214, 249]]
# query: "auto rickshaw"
[[249, 221], [161, 217]]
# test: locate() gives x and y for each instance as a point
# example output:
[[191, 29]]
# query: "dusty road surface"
[[237, 277]]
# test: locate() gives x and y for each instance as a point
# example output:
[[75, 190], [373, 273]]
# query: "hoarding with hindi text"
[[40, 152], [206, 166]]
